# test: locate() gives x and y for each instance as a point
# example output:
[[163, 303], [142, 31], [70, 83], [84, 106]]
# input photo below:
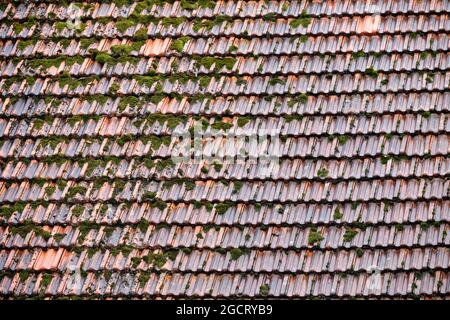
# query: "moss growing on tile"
[[291, 117], [76, 190], [237, 186], [349, 234], [50, 190], [60, 26], [172, 22], [264, 290], [217, 62], [85, 43], [217, 166], [275, 80], [143, 278], [178, 44], [303, 20], [141, 34], [242, 121], [337, 214], [46, 279], [104, 58], [221, 208], [124, 24], [342, 139], [143, 225], [371, 72], [359, 252], [314, 237], [77, 210], [235, 253], [322, 173], [23, 275], [27, 227], [7, 211]]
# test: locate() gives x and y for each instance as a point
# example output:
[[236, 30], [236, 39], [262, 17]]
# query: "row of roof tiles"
[[254, 105], [227, 237], [232, 8], [254, 45], [226, 85], [243, 214], [305, 191], [242, 65], [289, 169], [229, 285], [249, 27], [324, 147], [278, 261], [307, 125]]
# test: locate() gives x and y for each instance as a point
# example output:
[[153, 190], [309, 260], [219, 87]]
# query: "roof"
[[353, 96]]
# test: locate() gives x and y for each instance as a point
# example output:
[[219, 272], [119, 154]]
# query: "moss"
[[314, 237], [121, 50], [143, 279], [122, 25], [342, 139], [46, 280], [7, 211], [322, 173], [359, 252], [76, 190], [149, 196], [23, 44], [143, 225], [217, 166], [371, 72], [60, 26], [232, 48], [27, 227], [92, 165], [272, 17], [217, 62], [50, 190], [221, 208], [58, 237], [174, 22], [242, 121], [349, 235], [237, 186], [122, 140], [77, 210], [204, 81], [426, 114], [264, 290], [358, 54], [304, 39], [141, 34], [104, 58], [86, 43], [292, 117], [23, 275], [202, 23], [337, 214], [303, 20], [220, 125], [128, 101], [274, 81], [235, 253], [135, 261], [178, 44], [85, 227]]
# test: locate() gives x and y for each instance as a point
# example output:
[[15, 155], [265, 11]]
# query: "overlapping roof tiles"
[[93, 93]]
